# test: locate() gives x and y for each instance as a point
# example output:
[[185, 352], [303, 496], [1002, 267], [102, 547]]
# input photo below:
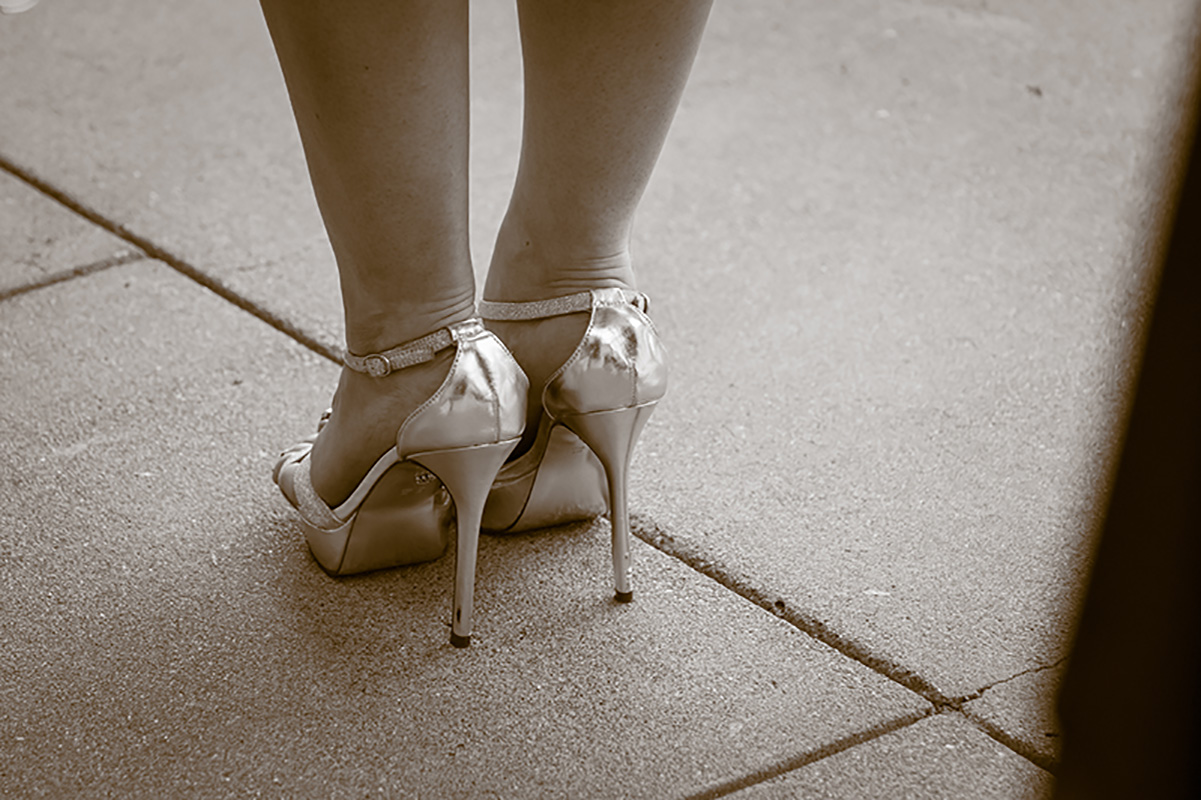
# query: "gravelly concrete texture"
[[940, 757], [41, 239], [172, 119], [1023, 708], [897, 249], [893, 247], [167, 634]]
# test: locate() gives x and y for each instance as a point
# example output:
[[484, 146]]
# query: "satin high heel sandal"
[[458, 439], [594, 408]]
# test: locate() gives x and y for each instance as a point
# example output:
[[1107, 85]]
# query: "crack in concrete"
[[976, 695], [1025, 749]]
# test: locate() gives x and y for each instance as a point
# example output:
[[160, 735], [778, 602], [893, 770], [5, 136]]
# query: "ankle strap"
[[417, 351], [557, 306]]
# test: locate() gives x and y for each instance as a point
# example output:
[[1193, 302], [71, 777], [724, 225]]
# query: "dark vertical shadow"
[[1129, 703]]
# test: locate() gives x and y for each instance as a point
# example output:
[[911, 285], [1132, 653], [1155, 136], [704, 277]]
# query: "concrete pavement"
[[898, 251]]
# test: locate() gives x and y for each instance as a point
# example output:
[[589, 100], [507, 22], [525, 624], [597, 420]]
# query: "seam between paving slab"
[[645, 530], [774, 604], [999, 734], [1023, 749], [150, 249], [814, 628], [810, 756], [75, 272]]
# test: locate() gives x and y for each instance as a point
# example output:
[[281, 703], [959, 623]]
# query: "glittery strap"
[[307, 501], [557, 306], [408, 354]]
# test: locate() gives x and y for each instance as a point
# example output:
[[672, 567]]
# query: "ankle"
[[376, 329], [366, 413], [527, 265]]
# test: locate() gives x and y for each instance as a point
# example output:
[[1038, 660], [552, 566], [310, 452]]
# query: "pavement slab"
[[938, 757], [167, 634], [43, 241], [1021, 712], [172, 121], [894, 248], [899, 251]]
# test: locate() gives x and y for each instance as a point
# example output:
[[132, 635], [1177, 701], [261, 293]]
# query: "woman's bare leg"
[[380, 93], [602, 82]]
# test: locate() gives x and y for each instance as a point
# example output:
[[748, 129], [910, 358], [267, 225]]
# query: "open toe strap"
[[292, 475]]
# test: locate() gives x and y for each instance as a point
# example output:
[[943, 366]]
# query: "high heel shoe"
[[461, 435], [594, 408]]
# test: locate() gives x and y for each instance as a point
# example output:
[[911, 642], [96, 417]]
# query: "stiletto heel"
[[612, 436], [595, 406], [399, 513], [467, 473]]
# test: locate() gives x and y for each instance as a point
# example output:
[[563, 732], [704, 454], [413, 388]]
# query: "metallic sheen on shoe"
[[558, 480], [619, 362], [399, 513], [595, 406]]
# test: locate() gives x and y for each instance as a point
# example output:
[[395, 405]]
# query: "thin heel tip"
[[624, 597], [460, 641]]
